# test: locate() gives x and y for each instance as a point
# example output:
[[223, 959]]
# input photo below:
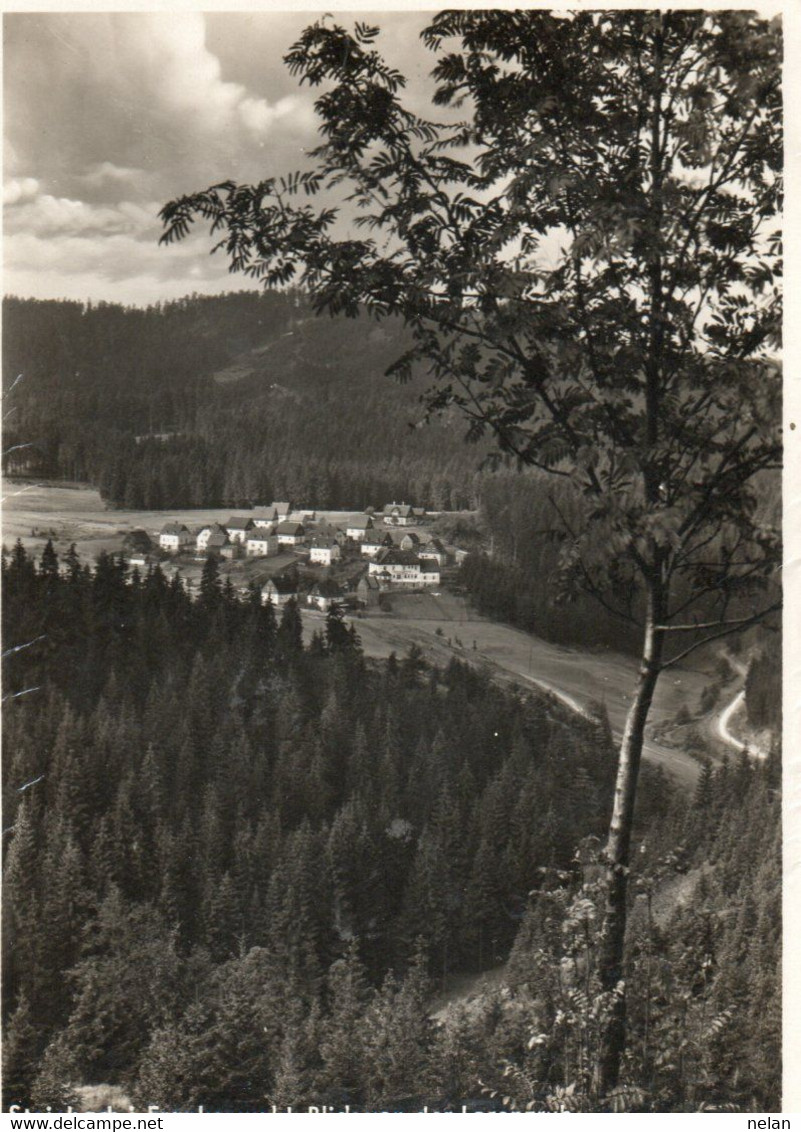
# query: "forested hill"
[[211, 401], [236, 867]]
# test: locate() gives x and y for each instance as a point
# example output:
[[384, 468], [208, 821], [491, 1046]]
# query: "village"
[[354, 560]]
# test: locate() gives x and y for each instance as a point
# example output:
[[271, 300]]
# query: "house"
[[282, 511], [232, 550], [429, 571], [279, 590], [137, 542], [435, 548], [205, 533], [328, 530], [264, 517], [324, 551], [260, 543], [290, 534], [410, 541], [174, 538], [367, 590], [401, 567], [398, 515], [239, 527], [217, 540], [374, 542], [324, 594], [357, 528]]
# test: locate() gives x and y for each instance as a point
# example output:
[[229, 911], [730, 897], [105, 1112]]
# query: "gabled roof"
[[361, 523], [282, 508], [435, 544], [404, 509], [282, 584], [263, 513], [323, 543], [397, 558], [138, 540], [287, 528], [239, 523], [174, 529], [259, 536], [369, 581], [325, 529], [429, 565], [412, 537], [377, 538], [218, 538]]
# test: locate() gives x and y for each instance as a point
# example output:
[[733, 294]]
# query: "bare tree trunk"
[[618, 845]]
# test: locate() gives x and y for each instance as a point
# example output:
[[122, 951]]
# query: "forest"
[[239, 867], [519, 571], [224, 401]]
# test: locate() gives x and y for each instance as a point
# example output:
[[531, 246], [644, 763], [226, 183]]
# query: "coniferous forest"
[[223, 401], [240, 868]]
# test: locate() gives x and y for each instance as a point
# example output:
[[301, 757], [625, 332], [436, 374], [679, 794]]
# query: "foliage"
[[301, 418], [227, 838]]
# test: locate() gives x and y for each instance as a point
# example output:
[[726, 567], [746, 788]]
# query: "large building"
[[403, 568]]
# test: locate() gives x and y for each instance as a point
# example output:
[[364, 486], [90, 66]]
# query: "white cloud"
[[112, 268], [186, 77], [20, 189], [47, 215], [106, 172]]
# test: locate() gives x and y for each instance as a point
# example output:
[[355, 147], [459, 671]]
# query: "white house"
[[264, 518], [434, 548], [290, 534], [401, 567], [410, 541], [324, 594], [429, 572], [261, 544], [174, 538], [374, 542], [398, 514], [279, 590], [324, 551], [218, 540], [357, 528], [205, 533], [239, 527]]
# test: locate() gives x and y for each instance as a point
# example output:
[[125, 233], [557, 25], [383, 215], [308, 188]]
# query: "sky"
[[108, 116]]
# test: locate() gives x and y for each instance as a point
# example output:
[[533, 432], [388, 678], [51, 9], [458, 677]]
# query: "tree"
[[589, 264]]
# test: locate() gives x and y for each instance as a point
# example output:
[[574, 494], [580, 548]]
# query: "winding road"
[[579, 678]]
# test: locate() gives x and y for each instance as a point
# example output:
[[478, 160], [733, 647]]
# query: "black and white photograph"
[[392, 561]]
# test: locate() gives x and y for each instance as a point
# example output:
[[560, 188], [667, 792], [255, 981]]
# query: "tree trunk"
[[617, 850]]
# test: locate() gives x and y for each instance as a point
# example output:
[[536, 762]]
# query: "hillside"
[[218, 401]]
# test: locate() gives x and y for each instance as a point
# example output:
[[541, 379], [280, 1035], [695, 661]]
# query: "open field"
[[36, 512], [578, 678]]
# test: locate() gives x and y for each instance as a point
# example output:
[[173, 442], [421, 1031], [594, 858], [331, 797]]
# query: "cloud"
[[115, 267], [20, 189], [105, 172], [46, 215], [96, 102], [109, 115]]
